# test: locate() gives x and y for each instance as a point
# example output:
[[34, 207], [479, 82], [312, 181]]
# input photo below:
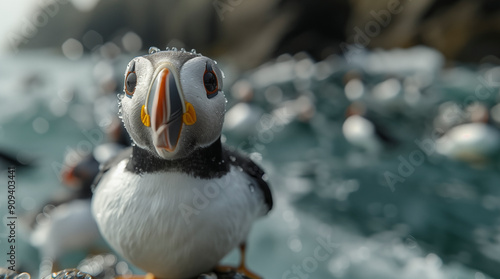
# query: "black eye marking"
[[210, 81], [130, 81]]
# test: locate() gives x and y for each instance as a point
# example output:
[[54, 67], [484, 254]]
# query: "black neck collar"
[[207, 162]]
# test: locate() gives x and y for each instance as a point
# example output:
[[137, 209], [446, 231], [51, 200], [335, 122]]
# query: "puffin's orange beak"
[[168, 110]]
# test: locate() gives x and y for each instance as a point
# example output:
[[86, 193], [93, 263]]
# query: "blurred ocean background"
[[377, 122]]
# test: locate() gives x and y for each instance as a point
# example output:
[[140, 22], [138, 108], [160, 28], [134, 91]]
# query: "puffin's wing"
[[253, 170], [124, 154]]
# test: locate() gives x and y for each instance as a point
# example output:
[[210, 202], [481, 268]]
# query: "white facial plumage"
[[173, 102]]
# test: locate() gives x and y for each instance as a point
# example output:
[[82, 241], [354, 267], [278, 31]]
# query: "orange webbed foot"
[[242, 269], [245, 271]]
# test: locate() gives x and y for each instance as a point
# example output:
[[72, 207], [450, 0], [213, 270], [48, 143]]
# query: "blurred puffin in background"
[[468, 135], [65, 224]]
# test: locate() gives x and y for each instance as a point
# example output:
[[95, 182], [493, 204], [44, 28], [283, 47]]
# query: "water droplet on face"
[[153, 50], [232, 158], [23, 275], [140, 171], [252, 188]]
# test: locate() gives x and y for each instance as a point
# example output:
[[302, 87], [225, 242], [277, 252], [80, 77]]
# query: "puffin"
[[178, 200], [65, 223], [361, 130], [475, 140]]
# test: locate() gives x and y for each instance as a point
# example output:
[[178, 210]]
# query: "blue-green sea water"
[[337, 214]]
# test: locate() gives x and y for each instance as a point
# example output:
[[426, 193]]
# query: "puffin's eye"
[[130, 81], [210, 81]]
